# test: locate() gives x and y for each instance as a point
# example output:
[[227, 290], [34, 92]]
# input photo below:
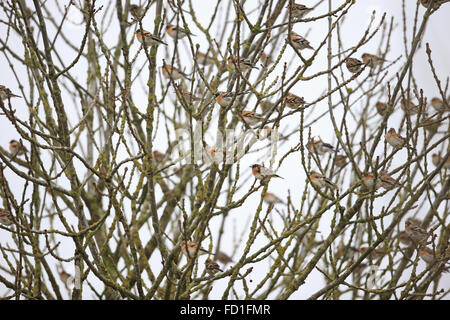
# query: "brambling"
[[136, 11], [319, 147], [368, 179], [5, 93], [265, 133], [266, 106], [175, 73], [225, 98], [340, 160], [426, 254], [272, 199], [204, 59], [16, 148], [261, 173], [186, 95], [251, 117], [298, 11], [320, 180], [353, 65], [148, 38], [212, 267], [414, 221], [64, 276], [415, 233], [437, 159], [404, 238], [372, 60], [394, 139], [292, 101], [158, 156], [299, 43], [381, 108], [244, 64], [438, 104], [375, 253], [5, 217], [190, 248], [265, 59], [436, 3], [177, 32], [409, 107], [223, 258], [387, 182]]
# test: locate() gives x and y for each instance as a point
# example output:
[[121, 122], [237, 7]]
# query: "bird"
[[415, 233], [414, 221], [319, 147], [251, 117], [178, 32], [17, 148], [65, 277], [148, 38], [225, 98], [261, 173], [158, 156], [223, 257], [298, 11], [265, 59], [266, 106], [437, 159], [394, 139], [320, 180], [371, 59], [212, 267], [381, 108], [436, 3], [430, 124], [340, 160], [353, 64], [190, 248], [204, 59], [136, 11], [387, 182], [438, 104], [186, 95], [175, 73], [368, 179], [426, 254], [266, 133], [5, 217], [299, 43], [404, 238], [5, 93], [244, 64], [292, 101], [272, 199], [409, 107], [375, 253]]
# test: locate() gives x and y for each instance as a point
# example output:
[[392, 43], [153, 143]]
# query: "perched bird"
[[261, 173], [251, 117], [175, 73], [414, 221], [292, 101], [266, 106], [265, 59], [299, 43], [202, 58], [394, 139], [437, 159], [387, 182], [320, 180], [16, 148], [5, 93], [265, 133], [190, 248], [298, 11], [430, 124], [408, 107], [319, 147], [375, 253], [272, 199], [438, 104], [158, 156], [136, 11], [340, 160], [372, 60], [212, 267], [225, 98], [5, 217], [186, 95], [436, 3], [426, 254], [65, 277], [416, 233], [381, 108], [178, 32], [223, 258], [243, 64], [353, 65], [148, 38], [404, 238], [368, 179]]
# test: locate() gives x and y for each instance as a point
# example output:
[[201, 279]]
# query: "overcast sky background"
[[355, 24]]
